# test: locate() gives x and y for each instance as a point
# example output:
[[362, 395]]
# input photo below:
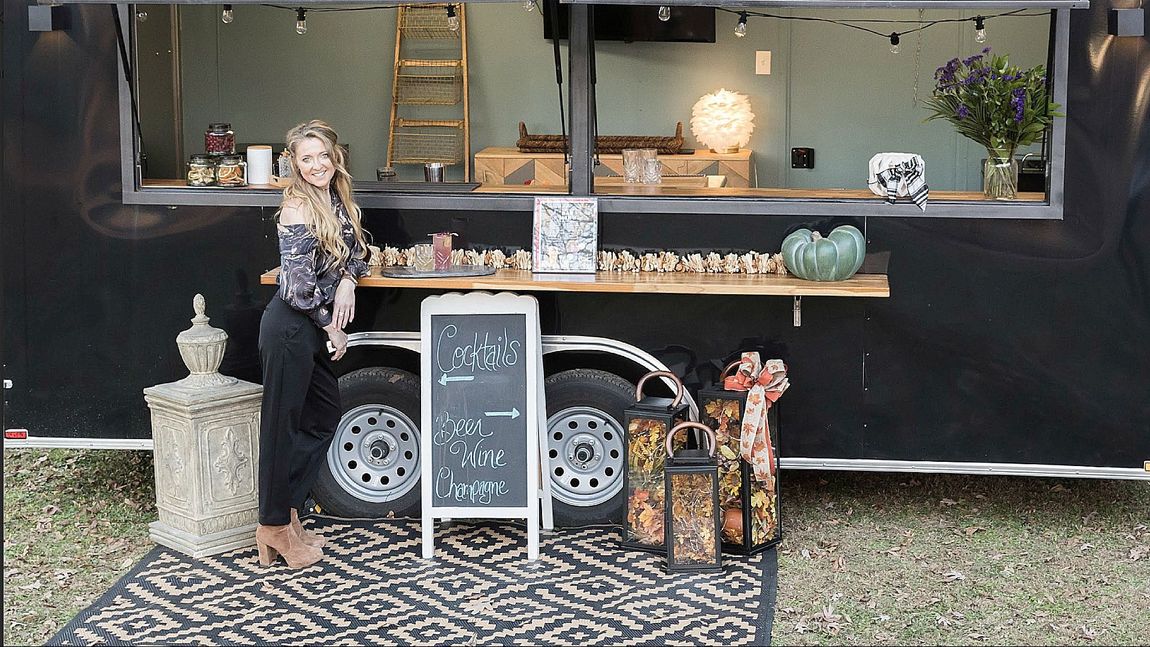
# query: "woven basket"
[[604, 143]]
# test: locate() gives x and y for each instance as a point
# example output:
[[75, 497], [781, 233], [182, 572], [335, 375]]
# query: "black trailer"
[[1015, 338]]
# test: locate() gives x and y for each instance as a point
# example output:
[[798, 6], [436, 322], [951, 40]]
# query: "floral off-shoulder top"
[[303, 283]]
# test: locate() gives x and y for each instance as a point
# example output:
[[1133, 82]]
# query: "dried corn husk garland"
[[624, 260]]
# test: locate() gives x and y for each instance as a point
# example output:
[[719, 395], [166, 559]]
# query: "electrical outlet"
[[802, 158], [763, 62]]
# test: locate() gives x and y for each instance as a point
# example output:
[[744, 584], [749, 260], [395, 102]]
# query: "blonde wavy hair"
[[316, 203]]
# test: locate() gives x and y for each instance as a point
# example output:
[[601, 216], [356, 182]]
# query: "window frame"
[[374, 195]]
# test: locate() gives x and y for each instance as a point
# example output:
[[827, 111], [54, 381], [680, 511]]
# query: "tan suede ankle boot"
[[308, 537], [282, 540]]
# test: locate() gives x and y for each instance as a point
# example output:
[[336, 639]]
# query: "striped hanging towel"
[[899, 174]]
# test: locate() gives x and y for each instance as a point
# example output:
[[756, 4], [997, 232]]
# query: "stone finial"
[[202, 349]]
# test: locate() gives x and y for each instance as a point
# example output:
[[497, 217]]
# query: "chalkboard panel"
[[483, 414], [479, 410]]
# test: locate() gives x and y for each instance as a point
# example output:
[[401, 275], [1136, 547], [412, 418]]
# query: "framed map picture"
[[565, 235]]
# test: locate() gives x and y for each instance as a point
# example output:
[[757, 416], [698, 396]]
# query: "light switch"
[[763, 62]]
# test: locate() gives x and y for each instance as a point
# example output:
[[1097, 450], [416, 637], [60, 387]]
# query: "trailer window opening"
[[825, 98]]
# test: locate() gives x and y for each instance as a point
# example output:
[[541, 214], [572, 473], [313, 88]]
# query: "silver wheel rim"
[[585, 456], [375, 453]]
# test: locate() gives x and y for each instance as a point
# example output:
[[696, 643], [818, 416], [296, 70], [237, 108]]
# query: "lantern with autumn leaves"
[[746, 427], [647, 423], [691, 499]]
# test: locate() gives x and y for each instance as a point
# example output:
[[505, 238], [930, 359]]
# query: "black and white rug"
[[372, 587]]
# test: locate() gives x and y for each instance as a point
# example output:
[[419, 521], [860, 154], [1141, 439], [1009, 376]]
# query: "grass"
[[865, 559]]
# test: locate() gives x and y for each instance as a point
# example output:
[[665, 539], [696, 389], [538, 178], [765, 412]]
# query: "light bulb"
[[741, 27], [529, 5], [301, 21], [227, 16], [979, 29], [142, 15], [452, 19], [894, 48], [664, 13]]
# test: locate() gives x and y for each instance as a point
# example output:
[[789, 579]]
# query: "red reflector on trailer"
[[16, 434]]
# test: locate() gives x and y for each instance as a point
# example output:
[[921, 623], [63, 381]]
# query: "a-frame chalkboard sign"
[[483, 412]]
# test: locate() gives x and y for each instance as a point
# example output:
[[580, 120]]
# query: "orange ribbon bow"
[[765, 383]]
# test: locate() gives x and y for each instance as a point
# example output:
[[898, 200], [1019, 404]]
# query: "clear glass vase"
[[1000, 175]]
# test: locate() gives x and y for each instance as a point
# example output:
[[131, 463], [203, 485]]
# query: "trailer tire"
[[585, 434], [372, 468]]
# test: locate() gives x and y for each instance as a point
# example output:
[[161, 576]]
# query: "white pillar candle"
[[259, 164]]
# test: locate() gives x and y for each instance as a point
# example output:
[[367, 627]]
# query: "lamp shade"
[[723, 121]]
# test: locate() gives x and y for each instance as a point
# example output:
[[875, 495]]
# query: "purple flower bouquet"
[[997, 105]]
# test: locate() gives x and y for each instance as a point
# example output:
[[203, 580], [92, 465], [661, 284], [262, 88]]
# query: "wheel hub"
[[374, 455], [583, 451], [585, 448]]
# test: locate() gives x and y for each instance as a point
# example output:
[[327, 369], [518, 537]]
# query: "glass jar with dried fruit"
[[220, 139], [231, 171], [201, 170]]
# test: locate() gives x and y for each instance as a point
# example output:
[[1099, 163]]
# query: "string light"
[[664, 13], [452, 19], [529, 5], [893, 37], [741, 27], [227, 16], [301, 21], [979, 29]]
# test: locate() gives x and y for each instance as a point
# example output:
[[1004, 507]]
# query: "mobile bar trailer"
[[980, 337]]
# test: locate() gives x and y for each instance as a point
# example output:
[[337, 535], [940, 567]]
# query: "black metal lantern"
[[691, 498], [647, 423], [746, 502]]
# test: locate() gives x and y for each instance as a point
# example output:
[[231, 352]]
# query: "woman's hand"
[[343, 309], [338, 339]]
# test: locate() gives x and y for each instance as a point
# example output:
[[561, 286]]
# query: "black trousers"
[[300, 409]]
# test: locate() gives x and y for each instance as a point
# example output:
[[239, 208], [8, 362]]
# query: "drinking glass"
[[632, 165], [423, 258], [651, 171]]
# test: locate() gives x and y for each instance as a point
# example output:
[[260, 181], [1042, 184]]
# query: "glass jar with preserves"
[[220, 139], [201, 170], [231, 171]]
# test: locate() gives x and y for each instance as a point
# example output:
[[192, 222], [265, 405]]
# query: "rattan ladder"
[[421, 82]]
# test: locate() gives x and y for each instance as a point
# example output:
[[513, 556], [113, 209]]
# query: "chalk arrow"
[[513, 414], [443, 379]]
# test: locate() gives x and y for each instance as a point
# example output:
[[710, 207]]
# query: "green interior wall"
[[834, 89]]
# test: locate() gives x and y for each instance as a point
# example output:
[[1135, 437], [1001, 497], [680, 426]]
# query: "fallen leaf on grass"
[[1085, 547], [970, 530], [948, 502], [953, 576], [114, 546], [1138, 552], [49, 510], [1088, 633]]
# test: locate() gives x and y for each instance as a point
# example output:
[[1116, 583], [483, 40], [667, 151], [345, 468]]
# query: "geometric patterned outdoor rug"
[[372, 588]]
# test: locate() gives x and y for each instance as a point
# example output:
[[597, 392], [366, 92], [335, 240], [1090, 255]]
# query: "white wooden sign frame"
[[475, 303]]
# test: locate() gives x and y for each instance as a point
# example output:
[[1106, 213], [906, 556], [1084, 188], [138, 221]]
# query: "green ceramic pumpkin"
[[808, 255]]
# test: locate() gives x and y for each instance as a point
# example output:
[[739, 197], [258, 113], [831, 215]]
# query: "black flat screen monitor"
[[633, 23]]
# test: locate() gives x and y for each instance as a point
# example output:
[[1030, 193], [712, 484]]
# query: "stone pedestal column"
[[205, 430]]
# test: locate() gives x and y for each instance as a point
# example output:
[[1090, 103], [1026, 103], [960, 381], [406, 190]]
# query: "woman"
[[323, 253]]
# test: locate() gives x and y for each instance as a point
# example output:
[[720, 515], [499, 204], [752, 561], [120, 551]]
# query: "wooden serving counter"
[[859, 285]]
